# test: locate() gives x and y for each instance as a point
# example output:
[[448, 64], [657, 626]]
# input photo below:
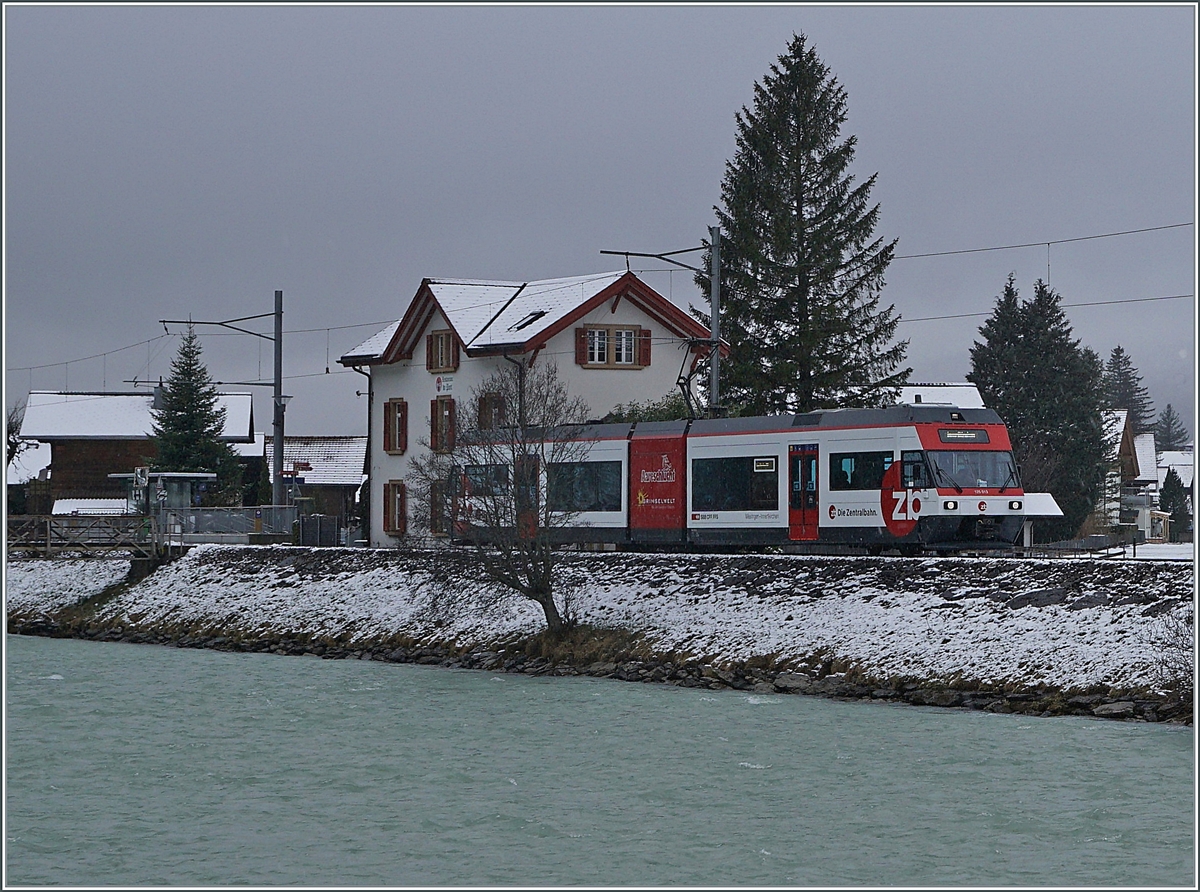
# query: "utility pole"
[[277, 491], [714, 308]]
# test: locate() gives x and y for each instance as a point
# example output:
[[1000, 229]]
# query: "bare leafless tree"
[[1174, 644], [505, 483], [14, 445]]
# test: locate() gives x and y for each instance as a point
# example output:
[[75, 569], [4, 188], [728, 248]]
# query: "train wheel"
[[910, 550], [874, 550]]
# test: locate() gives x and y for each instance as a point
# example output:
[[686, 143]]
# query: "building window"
[[441, 418], [597, 351], [624, 340], [395, 508], [491, 411], [612, 348], [441, 351], [395, 427]]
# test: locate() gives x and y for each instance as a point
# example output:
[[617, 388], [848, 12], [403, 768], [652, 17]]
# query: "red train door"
[[804, 500]]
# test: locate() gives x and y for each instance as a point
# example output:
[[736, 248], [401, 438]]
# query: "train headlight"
[[1014, 505], [950, 505]]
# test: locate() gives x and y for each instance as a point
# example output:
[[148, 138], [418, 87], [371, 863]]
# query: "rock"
[[1040, 598], [1119, 710], [602, 669], [793, 682], [764, 687], [932, 697]]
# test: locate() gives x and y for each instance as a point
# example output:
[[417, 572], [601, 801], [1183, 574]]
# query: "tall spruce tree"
[[1122, 388], [188, 422], [801, 268], [1046, 387], [1169, 433]]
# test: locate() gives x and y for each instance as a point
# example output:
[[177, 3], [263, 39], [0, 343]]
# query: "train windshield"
[[973, 468]]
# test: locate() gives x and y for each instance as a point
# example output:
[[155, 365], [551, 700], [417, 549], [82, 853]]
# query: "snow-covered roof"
[[508, 313], [1184, 464], [51, 415], [1143, 446], [29, 463], [487, 315], [963, 395], [336, 461], [372, 347], [251, 450], [1114, 423], [88, 506]]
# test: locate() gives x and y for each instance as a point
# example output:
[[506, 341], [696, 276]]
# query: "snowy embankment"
[[1065, 624], [46, 586]]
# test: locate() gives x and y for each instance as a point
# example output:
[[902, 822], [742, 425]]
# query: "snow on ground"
[[1157, 551], [1062, 623], [41, 586]]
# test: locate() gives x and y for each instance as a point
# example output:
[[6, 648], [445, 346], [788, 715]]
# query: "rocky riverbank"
[[1031, 637]]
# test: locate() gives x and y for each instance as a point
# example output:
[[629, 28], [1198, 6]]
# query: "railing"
[[276, 519], [53, 534]]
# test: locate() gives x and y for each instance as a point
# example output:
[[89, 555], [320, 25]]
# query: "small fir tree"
[[1046, 387], [1174, 500], [1169, 433], [801, 267], [1122, 388], [188, 424]]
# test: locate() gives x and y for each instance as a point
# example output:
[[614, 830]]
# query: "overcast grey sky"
[[171, 161]]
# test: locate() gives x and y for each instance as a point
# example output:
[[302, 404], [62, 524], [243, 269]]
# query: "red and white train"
[[906, 478]]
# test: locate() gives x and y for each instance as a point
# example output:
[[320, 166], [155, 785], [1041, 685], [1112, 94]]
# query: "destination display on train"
[[959, 435]]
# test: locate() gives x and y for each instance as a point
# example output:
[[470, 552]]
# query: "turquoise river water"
[[142, 765]]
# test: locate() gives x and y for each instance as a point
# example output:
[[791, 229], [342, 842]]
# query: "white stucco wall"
[[602, 389]]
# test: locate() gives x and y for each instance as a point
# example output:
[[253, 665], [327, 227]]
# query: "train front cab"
[[975, 498]]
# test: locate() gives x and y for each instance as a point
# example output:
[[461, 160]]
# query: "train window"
[[975, 467], [914, 471], [858, 470], [584, 486], [486, 480], [742, 483]]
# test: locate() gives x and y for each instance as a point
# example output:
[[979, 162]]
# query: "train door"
[[804, 493]]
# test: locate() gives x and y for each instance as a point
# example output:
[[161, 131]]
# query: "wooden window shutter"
[[389, 413], [450, 419], [453, 352], [401, 426], [643, 355], [581, 346], [389, 507], [401, 509], [435, 427], [429, 351], [484, 421]]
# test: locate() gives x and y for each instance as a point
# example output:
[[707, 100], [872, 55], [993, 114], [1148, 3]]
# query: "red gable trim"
[[640, 295], [413, 325]]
